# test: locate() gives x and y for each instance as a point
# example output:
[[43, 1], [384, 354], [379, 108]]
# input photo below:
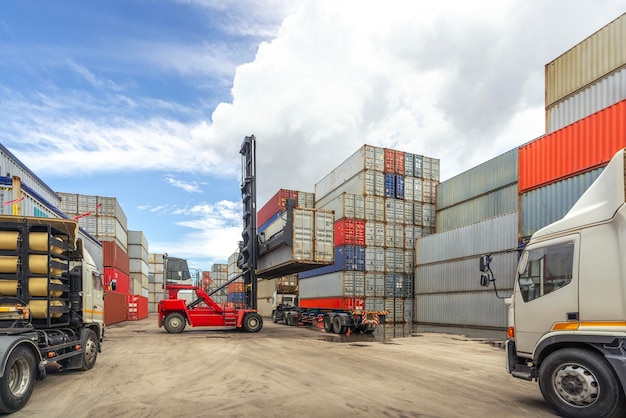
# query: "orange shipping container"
[[115, 256], [114, 307], [579, 147], [235, 287]]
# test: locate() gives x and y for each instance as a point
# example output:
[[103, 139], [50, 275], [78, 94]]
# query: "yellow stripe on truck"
[[595, 325], [94, 312]]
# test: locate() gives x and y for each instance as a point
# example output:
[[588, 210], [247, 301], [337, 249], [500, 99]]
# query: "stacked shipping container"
[[156, 281], [383, 199], [139, 259]]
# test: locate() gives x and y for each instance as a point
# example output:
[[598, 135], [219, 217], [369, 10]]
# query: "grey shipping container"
[[599, 95], [496, 203], [541, 207], [499, 172], [346, 205], [336, 284]]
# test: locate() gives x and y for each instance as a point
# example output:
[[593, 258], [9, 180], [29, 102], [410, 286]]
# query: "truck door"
[[546, 291]]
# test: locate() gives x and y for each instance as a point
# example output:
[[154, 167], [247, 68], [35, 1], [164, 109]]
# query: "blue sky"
[[148, 101]]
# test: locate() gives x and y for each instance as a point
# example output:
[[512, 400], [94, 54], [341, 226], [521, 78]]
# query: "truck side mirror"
[[113, 285], [484, 280], [484, 263]]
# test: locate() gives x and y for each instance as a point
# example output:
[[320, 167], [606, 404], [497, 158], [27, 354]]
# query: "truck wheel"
[[90, 350], [328, 325], [580, 383], [289, 320], [337, 327], [274, 320], [252, 322], [174, 323], [18, 381]]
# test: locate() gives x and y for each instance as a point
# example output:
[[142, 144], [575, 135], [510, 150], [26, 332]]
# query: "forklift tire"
[[18, 381], [174, 323], [252, 322]]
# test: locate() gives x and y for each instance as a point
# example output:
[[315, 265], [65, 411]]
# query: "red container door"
[[114, 307], [399, 162]]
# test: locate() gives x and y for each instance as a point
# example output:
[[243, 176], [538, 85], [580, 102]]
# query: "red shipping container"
[[122, 280], [349, 231], [114, 307], [390, 161], [115, 256], [275, 204], [235, 287], [137, 307], [577, 148], [399, 162], [334, 303]]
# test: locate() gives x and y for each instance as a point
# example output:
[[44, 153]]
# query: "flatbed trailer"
[[336, 321]]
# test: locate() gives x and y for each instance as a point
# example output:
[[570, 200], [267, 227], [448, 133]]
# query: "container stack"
[[235, 292], [476, 215], [156, 280], [139, 258], [383, 199], [219, 276]]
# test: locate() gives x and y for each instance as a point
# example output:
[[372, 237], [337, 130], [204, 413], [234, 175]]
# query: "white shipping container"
[[137, 237], [109, 229], [156, 259], [394, 235], [394, 260], [337, 284], [306, 200], [409, 188], [375, 259], [409, 265], [375, 304], [418, 213], [374, 208], [428, 215], [346, 205], [374, 234], [139, 252], [138, 266], [409, 216], [110, 207]]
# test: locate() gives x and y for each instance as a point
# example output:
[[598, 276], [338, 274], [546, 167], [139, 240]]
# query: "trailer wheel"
[[18, 381], [328, 324], [174, 323], [338, 328], [252, 322], [90, 350], [580, 383]]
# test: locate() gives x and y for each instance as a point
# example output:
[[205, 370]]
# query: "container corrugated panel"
[[138, 251], [592, 99], [418, 170], [115, 256], [462, 275], [114, 307], [390, 185], [496, 234], [409, 164], [110, 207], [409, 213], [394, 210], [334, 303], [496, 203], [138, 237], [346, 205], [110, 229], [374, 284], [138, 266], [374, 208], [593, 58], [418, 214], [365, 158], [375, 304], [491, 175], [374, 234], [429, 215], [540, 207], [586, 144], [375, 259], [394, 236], [364, 183], [429, 191], [473, 309], [306, 200], [399, 187]]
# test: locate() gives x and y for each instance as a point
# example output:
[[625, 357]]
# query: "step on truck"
[[567, 314], [51, 304]]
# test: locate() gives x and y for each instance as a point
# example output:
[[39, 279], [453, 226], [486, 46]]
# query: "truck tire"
[[252, 322], [174, 323], [580, 383], [274, 320], [90, 350], [338, 328], [289, 320], [328, 324], [18, 381]]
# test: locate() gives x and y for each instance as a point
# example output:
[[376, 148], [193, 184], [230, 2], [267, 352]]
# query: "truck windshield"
[[548, 269]]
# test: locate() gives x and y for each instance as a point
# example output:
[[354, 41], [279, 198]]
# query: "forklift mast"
[[248, 247]]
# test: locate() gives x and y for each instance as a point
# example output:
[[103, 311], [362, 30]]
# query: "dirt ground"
[[285, 371]]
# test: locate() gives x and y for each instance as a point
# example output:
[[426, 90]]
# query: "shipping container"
[[429, 215], [275, 205], [313, 244], [429, 191], [394, 235], [364, 183], [598, 55], [545, 205], [346, 205], [27, 204], [366, 158], [496, 203], [109, 207], [497, 173], [137, 306], [584, 145], [394, 211], [390, 185], [399, 187], [375, 304], [593, 98], [337, 284], [375, 259], [394, 260], [115, 256], [374, 284], [374, 208], [115, 310], [409, 164], [374, 234], [110, 229], [496, 234], [347, 257], [122, 280], [350, 231], [334, 303], [394, 161], [306, 200]]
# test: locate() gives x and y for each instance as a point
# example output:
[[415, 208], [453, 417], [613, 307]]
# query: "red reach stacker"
[[174, 313]]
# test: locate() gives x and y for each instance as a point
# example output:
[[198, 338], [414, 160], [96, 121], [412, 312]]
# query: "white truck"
[[51, 304], [567, 314]]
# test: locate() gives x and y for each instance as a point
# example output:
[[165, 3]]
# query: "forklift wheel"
[[252, 322], [174, 323]]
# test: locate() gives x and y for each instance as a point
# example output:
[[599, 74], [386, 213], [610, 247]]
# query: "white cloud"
[[188, 187]]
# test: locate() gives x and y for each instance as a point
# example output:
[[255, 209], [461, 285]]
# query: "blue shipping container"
[[390, 185], [399, 187], [236, 297], [347, 257]]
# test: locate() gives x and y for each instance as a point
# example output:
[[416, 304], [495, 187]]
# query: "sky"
[[149, 101]]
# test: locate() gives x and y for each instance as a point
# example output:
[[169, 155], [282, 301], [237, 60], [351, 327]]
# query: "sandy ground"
[[285, 371]]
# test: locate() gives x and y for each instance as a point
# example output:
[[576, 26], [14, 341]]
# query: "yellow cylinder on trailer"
[[38, 286], [8, 264], [39, 264], [8, 287], [8, 240], [38, 241], [39, 309]]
